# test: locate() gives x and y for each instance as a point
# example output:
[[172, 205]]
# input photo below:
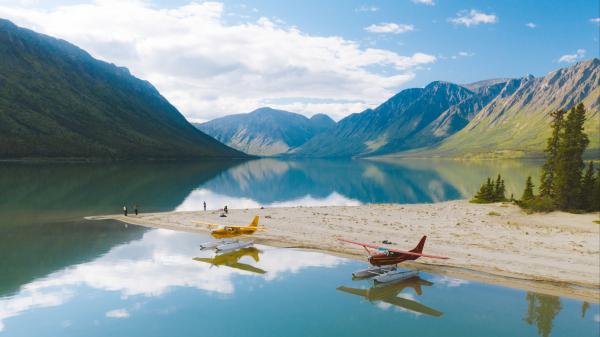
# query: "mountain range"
[[57, 101], [266, 131], [517, 123], [500, 117]]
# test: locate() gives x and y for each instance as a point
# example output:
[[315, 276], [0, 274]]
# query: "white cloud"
[[158, 265], [390, 27], [193, 202], [365, 8], [531, 25], [462, 54], [209, 68], [15, 306], [595, 20], [424, 2], [570, 58], [473, 17], [449, 282], [118, 313]]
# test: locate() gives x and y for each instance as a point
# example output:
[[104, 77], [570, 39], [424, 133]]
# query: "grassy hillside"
[[58, 101], [518, 125], [411, 119]]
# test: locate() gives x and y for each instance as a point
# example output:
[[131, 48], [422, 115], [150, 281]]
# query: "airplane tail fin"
[[419, 247], [255, 255], [254, 222]]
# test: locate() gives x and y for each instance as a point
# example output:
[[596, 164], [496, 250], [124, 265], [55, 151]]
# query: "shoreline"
[[555, 253]]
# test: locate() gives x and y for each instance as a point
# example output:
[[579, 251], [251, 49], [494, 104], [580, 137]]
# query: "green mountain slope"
[[58, 101], [395, 125], [266, 131], [517, 123]]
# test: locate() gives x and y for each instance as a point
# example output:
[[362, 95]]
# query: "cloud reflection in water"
[[150, 267], [194, 201]]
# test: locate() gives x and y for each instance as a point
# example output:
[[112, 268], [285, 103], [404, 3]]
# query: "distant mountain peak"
[[264, 109], [480, 85], [440, 84], [322, 118], [266, 131]]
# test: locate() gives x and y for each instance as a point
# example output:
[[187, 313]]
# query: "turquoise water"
[[151, 286], [63, 276]]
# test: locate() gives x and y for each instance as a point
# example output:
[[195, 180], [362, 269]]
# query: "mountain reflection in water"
[[63, 276]]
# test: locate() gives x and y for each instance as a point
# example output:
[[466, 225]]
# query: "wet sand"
[[556, 253]]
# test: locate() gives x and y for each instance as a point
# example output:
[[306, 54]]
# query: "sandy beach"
[[555, 253]]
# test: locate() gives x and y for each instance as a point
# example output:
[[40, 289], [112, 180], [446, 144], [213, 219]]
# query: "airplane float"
[[388, 293], [231, 259], [385, 261], [225, 232]]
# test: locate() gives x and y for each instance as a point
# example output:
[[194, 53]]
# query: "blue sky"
[[337, 57], [507, 48]]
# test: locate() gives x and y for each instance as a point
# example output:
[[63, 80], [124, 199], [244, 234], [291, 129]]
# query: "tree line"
[[565, 183]]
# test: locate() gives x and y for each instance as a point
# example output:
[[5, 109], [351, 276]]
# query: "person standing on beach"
[[225, 209], [135, 209], [125, 210], [205, 206]]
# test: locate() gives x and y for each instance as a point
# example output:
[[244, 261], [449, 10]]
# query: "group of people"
[[135, 209], [225, 210]]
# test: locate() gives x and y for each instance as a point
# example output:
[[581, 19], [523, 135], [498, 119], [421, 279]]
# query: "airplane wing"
[[210, 224], [247, 267], [204, 259], [417, 254], [360, 244], [413, 306], [355, 291], [236, 265], [393, 250]]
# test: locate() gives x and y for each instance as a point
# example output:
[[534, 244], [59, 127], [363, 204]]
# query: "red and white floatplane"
[[385, 261]]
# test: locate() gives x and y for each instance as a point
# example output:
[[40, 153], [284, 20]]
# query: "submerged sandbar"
[[556, 253]]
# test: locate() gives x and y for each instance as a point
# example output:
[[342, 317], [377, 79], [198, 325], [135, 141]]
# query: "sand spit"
[[556, 253]]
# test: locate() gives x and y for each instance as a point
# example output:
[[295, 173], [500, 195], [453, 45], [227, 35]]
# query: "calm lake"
[[64, 276]]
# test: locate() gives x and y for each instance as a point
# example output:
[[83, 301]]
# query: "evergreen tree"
[[587, 189], [569, 162], [486, 192], [541, 311], [528, 192], [548, 170], [596, 192], [497, 188], [491, 191]]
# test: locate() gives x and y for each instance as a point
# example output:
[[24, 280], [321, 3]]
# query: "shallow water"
[[132, 281], [61, 276]]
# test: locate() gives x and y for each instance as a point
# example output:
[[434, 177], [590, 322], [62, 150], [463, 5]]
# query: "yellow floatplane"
[[224, 232]]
